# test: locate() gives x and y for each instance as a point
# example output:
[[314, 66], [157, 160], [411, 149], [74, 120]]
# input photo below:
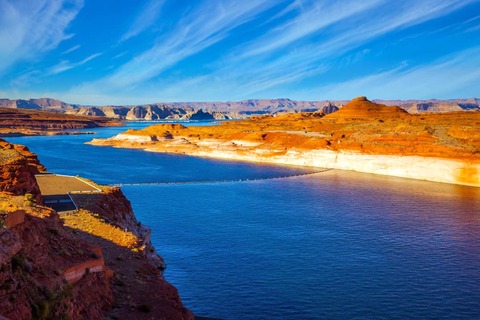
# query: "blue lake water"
[[331, 245]]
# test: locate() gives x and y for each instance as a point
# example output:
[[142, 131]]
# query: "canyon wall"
[[229, 109], [50, 269]]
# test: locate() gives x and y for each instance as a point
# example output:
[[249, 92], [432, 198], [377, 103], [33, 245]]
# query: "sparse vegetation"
[[7, 155], [91, 223], [51, 303], [29, 200]]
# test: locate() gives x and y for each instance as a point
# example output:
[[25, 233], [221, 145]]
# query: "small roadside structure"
[[56, 190]]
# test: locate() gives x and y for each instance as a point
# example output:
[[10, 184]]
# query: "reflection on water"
[[333, 245]]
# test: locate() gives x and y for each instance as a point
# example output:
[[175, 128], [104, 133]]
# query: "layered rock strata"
[[95, 263], [361, 136]]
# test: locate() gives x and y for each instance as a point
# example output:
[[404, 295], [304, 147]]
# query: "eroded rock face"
[[49, 270], [35, 252], [142, 285], [18, 169], [9, 245]]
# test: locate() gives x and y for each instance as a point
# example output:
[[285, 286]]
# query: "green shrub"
[[29, 200]]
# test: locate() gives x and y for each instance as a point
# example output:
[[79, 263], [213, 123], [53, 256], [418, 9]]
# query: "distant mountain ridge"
[[37, 104], [229, 109]]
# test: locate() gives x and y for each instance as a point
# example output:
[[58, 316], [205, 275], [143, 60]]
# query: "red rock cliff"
[[54, 267], [18, 169], [36, 253]]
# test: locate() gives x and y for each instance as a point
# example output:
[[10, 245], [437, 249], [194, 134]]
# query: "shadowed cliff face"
[[40, 260], [95, 262], [37, 257], [139, 287]]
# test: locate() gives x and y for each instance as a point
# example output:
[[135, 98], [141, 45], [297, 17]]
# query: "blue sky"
[[134, 52]]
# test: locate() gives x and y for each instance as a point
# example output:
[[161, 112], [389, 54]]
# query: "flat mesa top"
[[51, 184]]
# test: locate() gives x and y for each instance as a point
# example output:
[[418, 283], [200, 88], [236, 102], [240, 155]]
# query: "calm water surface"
[[333, 245]]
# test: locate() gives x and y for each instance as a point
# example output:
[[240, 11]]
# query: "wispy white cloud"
[[311, 19], [66, 65], [74, 48], [30, 28], [453, 76], [199, 29], [26, 79], [347, 32], [474, 28], [351, 24], [144, 20], [307, 42]]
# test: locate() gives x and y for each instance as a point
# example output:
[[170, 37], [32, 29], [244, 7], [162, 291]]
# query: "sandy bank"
[[413, 167], [463, 172], [362, 136]]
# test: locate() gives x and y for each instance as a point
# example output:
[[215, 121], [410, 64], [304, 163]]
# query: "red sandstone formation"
[[360, 125], [52, 268], [34, 122], [401, 144], [362, 109], [37, 255], [18, 167]]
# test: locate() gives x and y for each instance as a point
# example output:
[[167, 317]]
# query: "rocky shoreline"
[[94, 263], [362, 136]]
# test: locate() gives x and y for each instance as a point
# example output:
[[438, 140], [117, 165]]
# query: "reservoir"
[[248, 241]]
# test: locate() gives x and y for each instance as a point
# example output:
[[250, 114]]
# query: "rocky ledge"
[[94, 263]]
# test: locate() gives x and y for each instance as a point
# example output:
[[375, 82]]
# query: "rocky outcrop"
[[36, 251], [18, 169], [51, 270], [361, 136], [37, 104], [362, 109], [153, 112], [434, 105], [138, 283], [36, 255], [230, 109], [329, 108]]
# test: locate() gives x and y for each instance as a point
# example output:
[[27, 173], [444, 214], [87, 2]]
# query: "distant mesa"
[[362, 108], [232, 109], [17, 121], [361, 98], [363, 135]]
